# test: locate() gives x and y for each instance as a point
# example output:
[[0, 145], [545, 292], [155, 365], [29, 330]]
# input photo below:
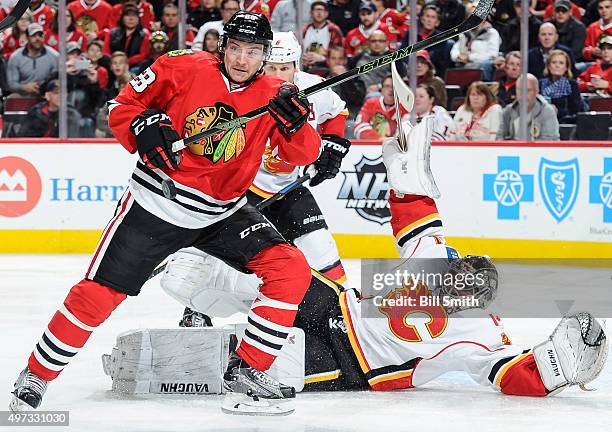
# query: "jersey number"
[[142, 81]]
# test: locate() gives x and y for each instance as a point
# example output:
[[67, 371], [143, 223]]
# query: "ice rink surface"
[[33, 286]]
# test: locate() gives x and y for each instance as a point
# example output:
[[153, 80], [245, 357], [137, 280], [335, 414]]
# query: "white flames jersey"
[[274, 173]]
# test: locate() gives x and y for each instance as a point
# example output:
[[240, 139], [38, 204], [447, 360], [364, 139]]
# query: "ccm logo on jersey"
[[140, 124], [253, 228]]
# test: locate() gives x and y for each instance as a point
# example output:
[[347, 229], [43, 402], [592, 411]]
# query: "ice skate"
[[253, 392], [28, 392], [192, 318]]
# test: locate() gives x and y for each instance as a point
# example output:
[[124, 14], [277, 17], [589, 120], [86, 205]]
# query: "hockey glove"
[[289, 109], [154, 137], [328, 164]]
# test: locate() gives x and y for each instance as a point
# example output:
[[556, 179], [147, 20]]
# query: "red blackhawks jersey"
[[43, 15], [328, 114], [376, 120], [357, 39], [94, 18], [402, 337], [392, 18], [214, 173]]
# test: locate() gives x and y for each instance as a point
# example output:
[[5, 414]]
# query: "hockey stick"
[[480, 14], [15, 14]]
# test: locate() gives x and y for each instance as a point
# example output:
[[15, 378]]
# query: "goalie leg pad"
[[574, 354], [208, 285]]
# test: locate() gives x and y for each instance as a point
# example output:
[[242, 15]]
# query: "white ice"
[[32, 287]]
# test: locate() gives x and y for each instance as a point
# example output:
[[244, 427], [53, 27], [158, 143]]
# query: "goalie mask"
[[472, 277]]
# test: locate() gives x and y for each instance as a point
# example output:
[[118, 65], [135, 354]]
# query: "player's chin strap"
[[15, 14]]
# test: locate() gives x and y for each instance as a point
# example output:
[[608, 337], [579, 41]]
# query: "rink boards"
[[505, 199]]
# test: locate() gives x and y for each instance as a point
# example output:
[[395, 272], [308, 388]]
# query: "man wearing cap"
[[357, 39], [571, 31], [598, 77], [42, 118], [158, 46], [32, 65], [595, 30]]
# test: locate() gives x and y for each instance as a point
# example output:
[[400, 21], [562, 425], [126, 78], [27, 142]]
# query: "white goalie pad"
[[409, 171], [207, 284], [574, 354], [189, 360]]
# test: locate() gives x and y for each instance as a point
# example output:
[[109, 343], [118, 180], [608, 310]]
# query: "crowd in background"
[[111, 41]]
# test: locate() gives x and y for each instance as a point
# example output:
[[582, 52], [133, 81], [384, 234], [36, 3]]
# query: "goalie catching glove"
[[154, 137], [289, 109], [328, 164]]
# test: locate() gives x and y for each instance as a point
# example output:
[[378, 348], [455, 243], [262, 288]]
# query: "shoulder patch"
[[181, 52]]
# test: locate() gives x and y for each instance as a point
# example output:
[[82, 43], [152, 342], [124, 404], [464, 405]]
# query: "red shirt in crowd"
[[596, 68], [145, 11], [95, 18], [135, 58], [594, 30], [357, 39], [43, 15], [11, 43], [376, 120], [52, 39], [395, 19]]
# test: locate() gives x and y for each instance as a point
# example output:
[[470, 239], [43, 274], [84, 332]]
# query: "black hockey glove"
[[288, 109], [154, 138], [328, 164]]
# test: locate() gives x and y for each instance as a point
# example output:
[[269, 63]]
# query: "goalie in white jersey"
[[385, 343]]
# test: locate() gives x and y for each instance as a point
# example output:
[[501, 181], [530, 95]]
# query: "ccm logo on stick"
[[253, 228]]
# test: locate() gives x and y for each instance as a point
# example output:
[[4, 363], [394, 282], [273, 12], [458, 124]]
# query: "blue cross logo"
[[600, 190], [508, 187]]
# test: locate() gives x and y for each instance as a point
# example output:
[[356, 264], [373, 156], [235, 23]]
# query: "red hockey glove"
[[328, 164], [289, 109], [154, 137]]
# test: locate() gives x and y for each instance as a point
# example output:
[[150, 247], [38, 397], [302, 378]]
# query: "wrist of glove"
[[289, 109], [328, 164], [154, 137]]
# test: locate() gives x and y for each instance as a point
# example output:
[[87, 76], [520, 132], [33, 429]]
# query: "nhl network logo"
[[366, 190], [20, 186]]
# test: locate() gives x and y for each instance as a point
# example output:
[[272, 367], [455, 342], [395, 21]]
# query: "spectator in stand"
[[94, 17], [357, 39], [376, 47], [73, 33], [99, 61], [345, 14], [598, 77], [129, 36], [318, 36], [549, 12], [548, 40], [102, 128], [479, 118], [376, 120], [119, 68], [428, 27], [477, 49], [42, 118], [42, 13], [31, 66], [506, 93], [207, 11], [426, 74], [257, 6], [452, 13], [16, 36], [560, 87], [352, 91], [211, 42], [145, 12], [392, 17], [228, 8], [591, 51], [169, 24], [425, 104], [571, 31], [511, 34], [503, 11], [284, 17], [590, 13], [542, 123], [158, 46]]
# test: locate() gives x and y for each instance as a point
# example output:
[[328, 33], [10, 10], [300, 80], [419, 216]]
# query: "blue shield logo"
[[559, 186]]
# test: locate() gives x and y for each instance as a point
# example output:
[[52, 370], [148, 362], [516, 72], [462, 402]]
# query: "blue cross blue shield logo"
[[559, 183], [508, 187], [600, 190]]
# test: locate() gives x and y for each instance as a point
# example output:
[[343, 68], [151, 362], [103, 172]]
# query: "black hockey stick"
[[480, 14], [15, 14]]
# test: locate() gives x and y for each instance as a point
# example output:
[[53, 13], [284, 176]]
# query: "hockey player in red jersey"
[[42, 13], [190, 92]]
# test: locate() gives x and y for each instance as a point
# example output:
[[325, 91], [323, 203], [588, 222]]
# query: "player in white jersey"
[[297, 215]]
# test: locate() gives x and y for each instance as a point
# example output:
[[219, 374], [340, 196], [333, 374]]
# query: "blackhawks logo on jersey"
[[225, 144]]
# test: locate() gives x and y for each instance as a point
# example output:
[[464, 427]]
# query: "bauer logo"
[[508, 187], [20, 187], [366, 190], [559, 186], [600, 190]]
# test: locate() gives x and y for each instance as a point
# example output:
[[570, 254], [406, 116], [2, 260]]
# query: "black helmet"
[[247, 27]]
